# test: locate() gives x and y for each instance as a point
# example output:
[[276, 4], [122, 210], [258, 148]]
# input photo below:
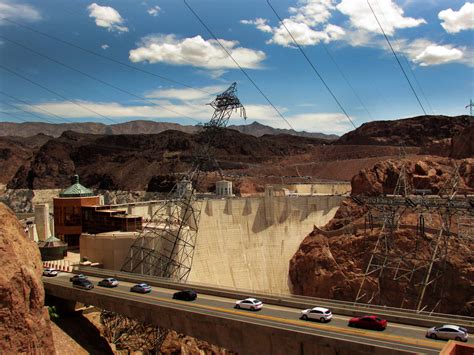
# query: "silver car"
[[448, 332], [317, 313]]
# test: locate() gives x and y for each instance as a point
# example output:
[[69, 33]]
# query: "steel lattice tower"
[[165, 247]]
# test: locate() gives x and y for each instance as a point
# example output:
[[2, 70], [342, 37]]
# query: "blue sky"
[[434, 40]]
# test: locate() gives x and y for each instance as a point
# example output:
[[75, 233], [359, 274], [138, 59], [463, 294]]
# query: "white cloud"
[[15, 11], [107, 17], [188, 94], [308, 25], [154, 11], [104, 46], [195, 51], [427, 53], [390, 15], [456, 21]]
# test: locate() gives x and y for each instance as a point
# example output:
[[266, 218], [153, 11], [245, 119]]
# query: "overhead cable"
[[238, 65], [56, 93], [396, 57], [103, 56], [97, 79], [312, 65]]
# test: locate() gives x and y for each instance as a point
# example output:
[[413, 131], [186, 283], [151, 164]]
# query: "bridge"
[[276, 329]]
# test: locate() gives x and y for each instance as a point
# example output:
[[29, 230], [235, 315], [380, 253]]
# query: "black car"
[[77, 277], [185, 295], [83, 283]]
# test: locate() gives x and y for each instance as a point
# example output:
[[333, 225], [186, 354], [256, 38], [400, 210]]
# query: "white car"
[[249, 303], [448, 332], [317, 313], [49, 271]]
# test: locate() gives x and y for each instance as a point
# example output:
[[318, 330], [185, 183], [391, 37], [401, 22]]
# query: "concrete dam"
[[242, 243]]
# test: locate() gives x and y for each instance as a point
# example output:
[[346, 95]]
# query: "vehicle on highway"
[[108, 282], [249, 303], [185, 295], [141, 288], [77, 277], [448, 332], [368, 322], [83, 283], [49, 271], [317, 313]]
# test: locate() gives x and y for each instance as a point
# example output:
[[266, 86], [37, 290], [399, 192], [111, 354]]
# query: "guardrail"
[[392, 314]]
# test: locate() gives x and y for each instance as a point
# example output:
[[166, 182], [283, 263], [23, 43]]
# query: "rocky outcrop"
[[331, 261], [462, 145], [416, 131], [25, 325]]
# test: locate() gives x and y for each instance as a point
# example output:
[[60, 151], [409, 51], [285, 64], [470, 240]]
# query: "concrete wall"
[[243, 243], [318, 188]]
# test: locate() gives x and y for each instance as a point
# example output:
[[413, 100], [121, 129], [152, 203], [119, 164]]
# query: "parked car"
[[448, 332], [77, 277], [141, 288], [368, 322], [108, 282], [317, 313], [83, 283], [249, 303], [185, 295], [49, 271]]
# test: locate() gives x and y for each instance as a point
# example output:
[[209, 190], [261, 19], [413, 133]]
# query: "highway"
[[397, 336]]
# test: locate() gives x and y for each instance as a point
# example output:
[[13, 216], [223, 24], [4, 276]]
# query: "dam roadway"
[[274, 329]]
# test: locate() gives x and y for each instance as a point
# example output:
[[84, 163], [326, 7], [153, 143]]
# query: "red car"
[[368, 322]]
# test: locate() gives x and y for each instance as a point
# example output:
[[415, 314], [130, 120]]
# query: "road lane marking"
[[351, 331]]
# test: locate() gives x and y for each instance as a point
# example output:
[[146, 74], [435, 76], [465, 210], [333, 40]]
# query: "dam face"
[[244, 243]]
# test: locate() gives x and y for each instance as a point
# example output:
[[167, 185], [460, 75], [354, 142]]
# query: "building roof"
[[76, 190], [52, 242]]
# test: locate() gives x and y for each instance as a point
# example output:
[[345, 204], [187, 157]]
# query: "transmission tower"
[[421, 268], [165, 247], [471, 106]]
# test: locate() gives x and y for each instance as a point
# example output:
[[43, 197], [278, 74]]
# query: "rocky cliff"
[[331, 261], [25, 326]]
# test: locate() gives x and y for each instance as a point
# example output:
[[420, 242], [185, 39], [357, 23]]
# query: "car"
[[368, 322], [185, 295], [83, 283], [141, 288], [448, 331], [249, 303], [108, 282], [317, 313], [77, 277], [49, 271]]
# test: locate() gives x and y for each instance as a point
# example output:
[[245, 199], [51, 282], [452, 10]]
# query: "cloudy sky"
[[117, 60]]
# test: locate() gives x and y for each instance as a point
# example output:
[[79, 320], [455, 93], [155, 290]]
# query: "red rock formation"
[[24, 325], [330, 262]]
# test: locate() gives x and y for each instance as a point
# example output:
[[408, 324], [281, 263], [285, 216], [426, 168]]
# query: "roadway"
[[396, 336]]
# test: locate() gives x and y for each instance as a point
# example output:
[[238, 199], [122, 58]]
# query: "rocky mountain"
[[137, 127], [415, 131], [258, 130], [331, 261], [25, 326], [146, 162]]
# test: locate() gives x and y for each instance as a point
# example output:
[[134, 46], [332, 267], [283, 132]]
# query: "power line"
[[39, 108], [55, 93], [312, 65], [346, 80], [103, 56], [396, 57], [238, 65], [16, 118], [96, 79], [408, 64], [28, 112]]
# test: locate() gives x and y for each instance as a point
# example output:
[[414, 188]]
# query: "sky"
[[112, 61]]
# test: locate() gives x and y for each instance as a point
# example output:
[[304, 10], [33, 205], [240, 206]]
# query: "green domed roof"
[[76, 190]]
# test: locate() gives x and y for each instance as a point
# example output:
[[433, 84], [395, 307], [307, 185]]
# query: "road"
[[396, 336]]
